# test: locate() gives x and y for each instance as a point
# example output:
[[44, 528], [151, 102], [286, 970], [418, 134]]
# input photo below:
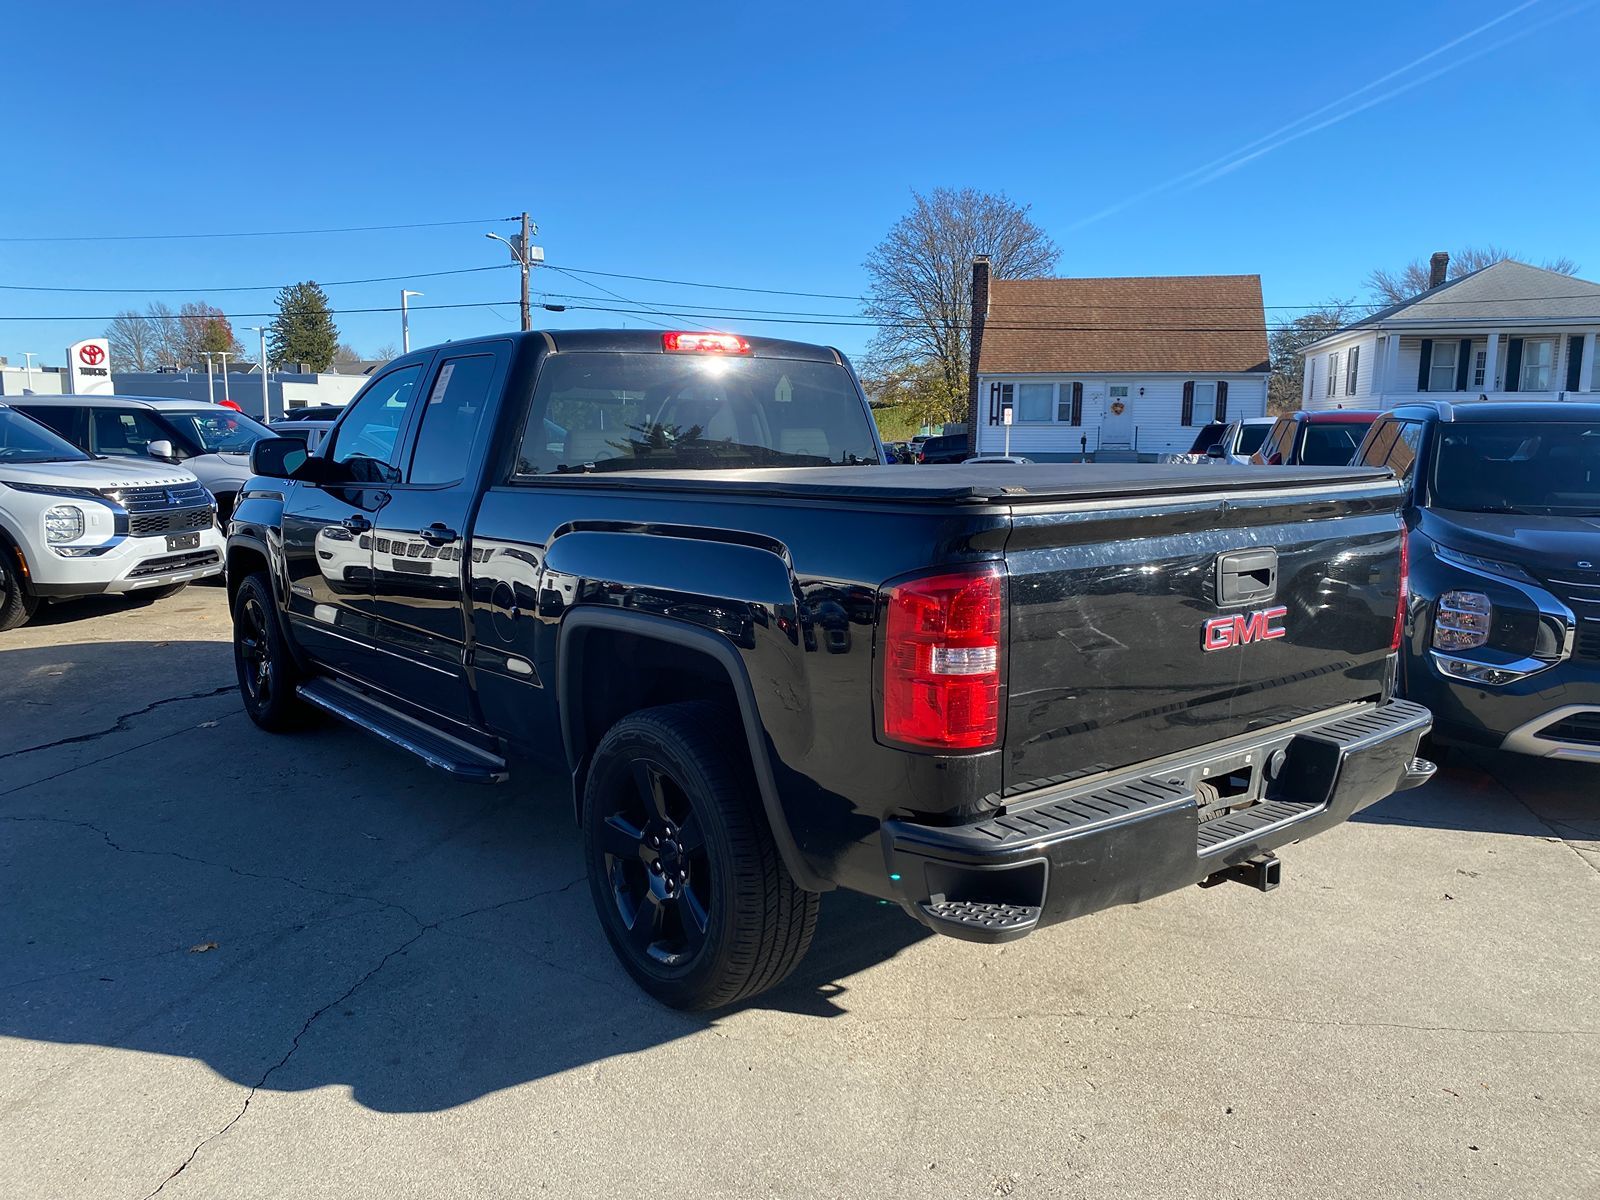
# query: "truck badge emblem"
[[1240, 629]]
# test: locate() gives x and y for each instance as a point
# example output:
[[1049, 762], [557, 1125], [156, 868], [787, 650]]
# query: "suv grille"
[[1580, 591], [180, 508]]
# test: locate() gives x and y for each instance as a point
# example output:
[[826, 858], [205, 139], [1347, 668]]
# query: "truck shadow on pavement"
[[1487, 791], [298, 912]]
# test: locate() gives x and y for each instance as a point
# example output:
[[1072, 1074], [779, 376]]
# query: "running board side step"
[[456, 758]]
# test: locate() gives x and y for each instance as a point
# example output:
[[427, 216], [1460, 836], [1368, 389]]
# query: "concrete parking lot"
[[239, 965]]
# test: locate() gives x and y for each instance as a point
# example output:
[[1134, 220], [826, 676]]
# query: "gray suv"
[[209, 439]]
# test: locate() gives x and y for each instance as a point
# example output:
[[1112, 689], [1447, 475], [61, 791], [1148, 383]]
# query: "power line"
[[163, 237], [262, 287], [721, 287], [607, 291]]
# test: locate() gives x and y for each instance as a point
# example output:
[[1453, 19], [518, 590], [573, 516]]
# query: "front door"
[[419, 560], [1116, 426], [328, 527]]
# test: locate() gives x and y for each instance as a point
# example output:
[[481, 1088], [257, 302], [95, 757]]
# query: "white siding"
[[1157, 413], [1315, 394]]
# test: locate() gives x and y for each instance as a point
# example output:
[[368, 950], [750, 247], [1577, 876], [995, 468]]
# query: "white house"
[[1119, 369], [1507, 332]]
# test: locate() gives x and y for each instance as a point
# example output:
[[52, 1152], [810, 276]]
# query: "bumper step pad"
[[997, 921]]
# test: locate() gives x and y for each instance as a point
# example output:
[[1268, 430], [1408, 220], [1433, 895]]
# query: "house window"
[[1538, 359], [1442, 370], [1205, 404], [1035, 401], [1333, 373], [1068, 391], [1480, 365], [1351, 370]]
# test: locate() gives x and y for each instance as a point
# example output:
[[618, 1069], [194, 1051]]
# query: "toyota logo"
[[92, 356]]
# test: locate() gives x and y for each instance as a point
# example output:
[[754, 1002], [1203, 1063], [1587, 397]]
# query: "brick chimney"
[[1438, 268], [980, 316]]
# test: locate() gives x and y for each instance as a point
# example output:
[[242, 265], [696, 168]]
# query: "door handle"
[[356, 523], [438, 534]]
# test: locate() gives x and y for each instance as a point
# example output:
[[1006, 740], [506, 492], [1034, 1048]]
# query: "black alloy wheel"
[[267, 673]]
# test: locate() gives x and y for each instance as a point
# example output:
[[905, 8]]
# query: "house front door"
[[1117, 422]]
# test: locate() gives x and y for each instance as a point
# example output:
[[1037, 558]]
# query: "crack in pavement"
[[95, 762], [120, 725], [425, 928]]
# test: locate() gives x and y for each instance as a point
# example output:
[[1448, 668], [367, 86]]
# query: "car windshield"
[[1522, 466], [634, 412], [216, 431], [1332, 445], [1208, 437], [24, 440], [1251, 437]]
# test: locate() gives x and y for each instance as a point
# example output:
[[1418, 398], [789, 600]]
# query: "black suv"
[[946, 448], [1503, 637]]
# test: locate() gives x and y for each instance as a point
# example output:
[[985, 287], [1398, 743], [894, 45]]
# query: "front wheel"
[[685, 875], [266, 670], [17, 604]]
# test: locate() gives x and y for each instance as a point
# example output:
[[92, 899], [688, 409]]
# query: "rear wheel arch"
[[681, 662]]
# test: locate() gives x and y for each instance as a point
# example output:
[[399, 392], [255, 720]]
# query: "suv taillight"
[[942, 659], [1405, 589]]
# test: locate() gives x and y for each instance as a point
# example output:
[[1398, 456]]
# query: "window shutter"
[[1513, 364], [1463, 364], [1222, 399], [1188, 402], [1574, 361], [1077, 404], [994, 404], [1352, 371], [1424, 364]]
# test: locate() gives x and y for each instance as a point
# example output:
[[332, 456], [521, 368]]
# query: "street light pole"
[[223, 355], [211, 379], [266, 405], [524, 255], [405, 321]]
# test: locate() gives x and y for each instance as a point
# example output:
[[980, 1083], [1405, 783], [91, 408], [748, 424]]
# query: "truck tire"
[[267, 672], [17, 604], [685, 875]]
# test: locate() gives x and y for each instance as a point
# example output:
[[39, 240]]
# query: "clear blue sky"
[[727, 143]]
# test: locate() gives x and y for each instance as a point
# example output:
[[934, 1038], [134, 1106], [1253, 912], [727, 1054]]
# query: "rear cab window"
[[599, 412]]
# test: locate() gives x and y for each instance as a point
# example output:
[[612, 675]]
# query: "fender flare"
[[280, 605], [582, 620]]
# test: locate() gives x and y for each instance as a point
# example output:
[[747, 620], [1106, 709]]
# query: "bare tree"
[[921, 280], [204, 329], [386, 351], [169, 335], [135, 341], [1284, 346], [346, 354], [1395, 287]]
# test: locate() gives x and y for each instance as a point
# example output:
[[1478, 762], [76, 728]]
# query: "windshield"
[[216, 432], [1331, 445], [1251, 437], [1548, 467], [634, 412], [1208, 437], [24, 440]]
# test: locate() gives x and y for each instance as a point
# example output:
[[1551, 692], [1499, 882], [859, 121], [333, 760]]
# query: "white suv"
[[75, 525]]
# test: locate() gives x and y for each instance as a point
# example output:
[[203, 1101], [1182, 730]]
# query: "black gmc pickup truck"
[[1000, 696]]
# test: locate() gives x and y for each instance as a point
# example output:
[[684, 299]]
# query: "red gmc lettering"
[[1240, 629]]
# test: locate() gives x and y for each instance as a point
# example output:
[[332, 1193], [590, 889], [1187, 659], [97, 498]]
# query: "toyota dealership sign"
[[89, 368]]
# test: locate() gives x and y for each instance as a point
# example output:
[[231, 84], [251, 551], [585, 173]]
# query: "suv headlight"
[[63, 523], [1461, 621]]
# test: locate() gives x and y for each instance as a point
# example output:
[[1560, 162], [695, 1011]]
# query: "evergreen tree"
[[304, 331]]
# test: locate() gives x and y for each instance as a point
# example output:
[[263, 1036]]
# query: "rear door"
[[327, 527], [1147, 629], [419, 543]]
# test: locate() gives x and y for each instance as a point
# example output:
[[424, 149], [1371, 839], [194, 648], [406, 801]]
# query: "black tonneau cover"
[[979, 483]]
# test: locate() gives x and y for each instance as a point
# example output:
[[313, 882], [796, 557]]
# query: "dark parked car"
[[675, 564], [1314, 439], [1503, 635], [946, 448]]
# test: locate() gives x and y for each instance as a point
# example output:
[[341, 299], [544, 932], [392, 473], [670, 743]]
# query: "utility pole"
[[405, 322], [524, 255], [527, 313], [223, 355], [266, 406]]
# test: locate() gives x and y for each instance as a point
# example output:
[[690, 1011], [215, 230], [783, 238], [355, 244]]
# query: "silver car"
[[210, 440]]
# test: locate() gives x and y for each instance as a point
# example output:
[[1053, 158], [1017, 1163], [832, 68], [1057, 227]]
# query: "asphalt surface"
[[240, 965]]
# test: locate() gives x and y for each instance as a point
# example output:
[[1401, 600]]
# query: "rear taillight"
[[704, 343], [1405, 590], [942, 659]]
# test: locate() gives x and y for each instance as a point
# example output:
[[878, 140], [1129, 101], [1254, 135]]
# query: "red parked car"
[[1314, 439]]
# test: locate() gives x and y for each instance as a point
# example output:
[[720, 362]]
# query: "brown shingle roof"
[[1210, 323]]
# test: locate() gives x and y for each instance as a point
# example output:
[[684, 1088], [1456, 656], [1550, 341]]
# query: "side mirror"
[[278, 457], [162, 449], [1216, 452]]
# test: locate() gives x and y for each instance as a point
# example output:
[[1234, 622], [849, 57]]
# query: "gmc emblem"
[[1240, 629]]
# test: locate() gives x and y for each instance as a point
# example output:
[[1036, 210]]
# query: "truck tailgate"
[[1109, 603]]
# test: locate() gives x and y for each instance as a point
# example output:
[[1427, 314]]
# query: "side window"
[[1402, 459], [451, 419], [62, 420], [123, 432], [371, 428], [1375, 451]]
